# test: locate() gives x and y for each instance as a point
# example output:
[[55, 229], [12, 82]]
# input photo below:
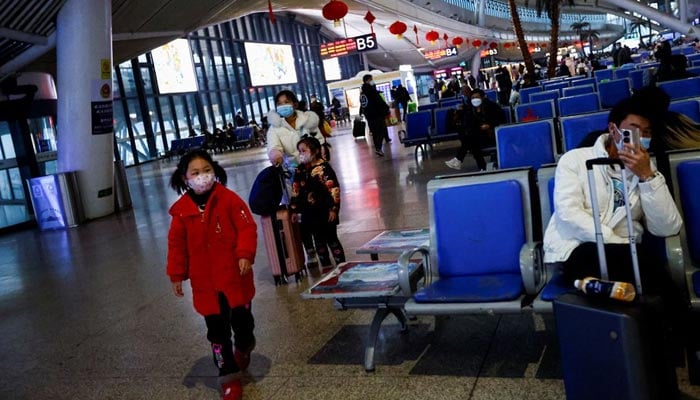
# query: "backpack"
[[266, 193]]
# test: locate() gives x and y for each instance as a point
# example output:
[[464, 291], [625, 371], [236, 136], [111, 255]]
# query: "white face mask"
[[304, 158], [202, 183], [476, 102]]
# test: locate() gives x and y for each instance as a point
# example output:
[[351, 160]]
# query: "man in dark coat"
[[402, 98], [505, 85], [375, 109], [480, 119]]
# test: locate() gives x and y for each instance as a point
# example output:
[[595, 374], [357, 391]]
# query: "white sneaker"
[[454, 163]]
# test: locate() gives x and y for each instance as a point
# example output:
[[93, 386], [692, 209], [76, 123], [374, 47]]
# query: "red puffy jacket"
[[205, 247]]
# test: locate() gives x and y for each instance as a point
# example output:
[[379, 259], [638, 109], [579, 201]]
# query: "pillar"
[[85, 130]]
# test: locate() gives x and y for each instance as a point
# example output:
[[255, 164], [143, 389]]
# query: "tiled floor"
[[88, 313]]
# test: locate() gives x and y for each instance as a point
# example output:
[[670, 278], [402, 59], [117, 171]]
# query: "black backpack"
[[266, 193]]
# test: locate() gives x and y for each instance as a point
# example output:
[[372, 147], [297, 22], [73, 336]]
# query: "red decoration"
[[531, 45], [466, 40], [369, 17], [269, 9], [543, 45], [398, 28], [493, 45], [432, 37], [335, 10], [457, 41], [445, 37], [476, 42], [506, 45], [415, 30]]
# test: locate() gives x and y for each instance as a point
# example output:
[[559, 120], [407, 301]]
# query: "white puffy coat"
[[572, 222], [283, 138]]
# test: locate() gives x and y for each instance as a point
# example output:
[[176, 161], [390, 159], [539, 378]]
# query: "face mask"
[[285, 110], [202, 183], [476, 102], [645, 142], [304, 158], [371, 83]]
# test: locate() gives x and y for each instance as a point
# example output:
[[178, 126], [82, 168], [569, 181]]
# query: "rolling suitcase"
[[283, 246], [358, 128], [613, 350]]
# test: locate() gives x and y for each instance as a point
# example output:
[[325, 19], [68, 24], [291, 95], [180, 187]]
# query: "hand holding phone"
[[631, 137]]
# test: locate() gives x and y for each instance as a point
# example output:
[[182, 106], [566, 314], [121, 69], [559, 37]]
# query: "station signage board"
[[440, 53], [343, 47]]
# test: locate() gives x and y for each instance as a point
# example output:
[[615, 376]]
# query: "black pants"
[[404, 105], [379, 132], [473, 142], [320, 235], [219, 326]]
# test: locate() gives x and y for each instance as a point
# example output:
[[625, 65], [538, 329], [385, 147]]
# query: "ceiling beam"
[[23, 36]]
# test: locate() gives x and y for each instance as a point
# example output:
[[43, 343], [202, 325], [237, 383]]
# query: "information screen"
[[270, 64], [440, 53], [347, 46], [174, 69]]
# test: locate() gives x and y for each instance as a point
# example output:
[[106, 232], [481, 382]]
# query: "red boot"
[[232, 390]]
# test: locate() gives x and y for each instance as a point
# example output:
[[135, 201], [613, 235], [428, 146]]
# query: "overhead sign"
[[440, 53], [347, 46]]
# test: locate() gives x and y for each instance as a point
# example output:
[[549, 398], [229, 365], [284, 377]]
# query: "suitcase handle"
[[603, 161]]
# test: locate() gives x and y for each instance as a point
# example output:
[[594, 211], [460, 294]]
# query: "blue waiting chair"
[[492, 94], [450, 102], [690, 108], [442, 131], [427, 107], [576, 90], [528, 144], [583, 82], [612, 92], [558, 86], [580, 104], [545, 95], [681, 88], [603, 74], [622, 73], [526, 92], [476, 263], [636, 78], [417, 133], [576, 127], [534, 111]]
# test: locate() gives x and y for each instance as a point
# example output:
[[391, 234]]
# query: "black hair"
[[478, 91], [366, 78], [288, 94], [650, 102], [313, 144], [177, 181]]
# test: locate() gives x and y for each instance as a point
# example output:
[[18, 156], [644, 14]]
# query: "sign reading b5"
[[347, 46]]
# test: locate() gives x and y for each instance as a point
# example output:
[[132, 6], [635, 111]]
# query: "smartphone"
[[631, 136]]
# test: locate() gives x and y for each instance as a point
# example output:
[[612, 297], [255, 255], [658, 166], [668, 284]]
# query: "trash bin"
[[56, 200], [122, 195]]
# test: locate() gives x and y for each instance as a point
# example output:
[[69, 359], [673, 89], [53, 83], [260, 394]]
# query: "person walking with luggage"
[[480, 119], [212, 241], [375, 109], [402, 98], [287, 126], [315, 200], [569, 237]]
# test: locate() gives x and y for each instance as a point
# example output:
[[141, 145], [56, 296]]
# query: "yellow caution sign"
[[105, 68]]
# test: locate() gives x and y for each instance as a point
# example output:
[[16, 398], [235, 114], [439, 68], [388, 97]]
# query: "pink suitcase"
[[283, 246]]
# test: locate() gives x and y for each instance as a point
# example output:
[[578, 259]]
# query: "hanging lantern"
[[476, 42], [397, 28], [543, 45], [457, 41], [335, 10], [432, 37], [445, 37], [531, 45], [269, 9], [506, 45], [369, 17], [493, 45]]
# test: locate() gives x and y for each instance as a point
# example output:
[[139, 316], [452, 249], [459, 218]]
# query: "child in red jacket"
[[212, 241]]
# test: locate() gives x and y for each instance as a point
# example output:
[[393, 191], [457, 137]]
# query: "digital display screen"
[[440, 53], [270, 64], [331, 67], [347, 46], [174, 68]]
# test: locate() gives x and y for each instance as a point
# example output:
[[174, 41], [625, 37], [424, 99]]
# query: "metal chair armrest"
[[532, 268], [407, 288]]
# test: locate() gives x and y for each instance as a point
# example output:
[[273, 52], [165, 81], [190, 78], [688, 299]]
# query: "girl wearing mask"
[[287, 126], [212, 241]]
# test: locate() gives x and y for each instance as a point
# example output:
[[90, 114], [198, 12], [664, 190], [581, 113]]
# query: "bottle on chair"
[[622, 291]]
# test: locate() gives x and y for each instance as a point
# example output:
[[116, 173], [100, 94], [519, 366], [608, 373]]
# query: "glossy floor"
[[88, 313]]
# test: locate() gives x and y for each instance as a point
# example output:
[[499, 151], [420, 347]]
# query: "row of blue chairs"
[[485, 253]]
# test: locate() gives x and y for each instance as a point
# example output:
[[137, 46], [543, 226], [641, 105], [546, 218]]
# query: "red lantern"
[[531, 45], [476, 42], [457, 41], [506, 45], [493, 45], [543, 45], [335, 10], [369, 17], [432, 37], [398, 28]]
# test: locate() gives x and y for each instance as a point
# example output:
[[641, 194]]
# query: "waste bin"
[[56, 200], [122, 195]]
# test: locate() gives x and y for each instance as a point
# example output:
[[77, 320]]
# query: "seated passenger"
[[570, 237]]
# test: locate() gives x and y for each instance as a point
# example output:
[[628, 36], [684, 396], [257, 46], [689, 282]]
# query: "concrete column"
[[85, 134]]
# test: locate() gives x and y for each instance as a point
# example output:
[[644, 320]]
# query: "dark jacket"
[[490, 113], [372, 104]]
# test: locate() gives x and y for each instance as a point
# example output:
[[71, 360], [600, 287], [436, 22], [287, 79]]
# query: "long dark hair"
[[177, 181], [313, 144]]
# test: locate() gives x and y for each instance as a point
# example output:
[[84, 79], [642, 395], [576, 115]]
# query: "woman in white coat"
[[287, 126]]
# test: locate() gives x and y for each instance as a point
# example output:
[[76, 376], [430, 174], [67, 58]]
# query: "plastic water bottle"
[[622, 291]]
